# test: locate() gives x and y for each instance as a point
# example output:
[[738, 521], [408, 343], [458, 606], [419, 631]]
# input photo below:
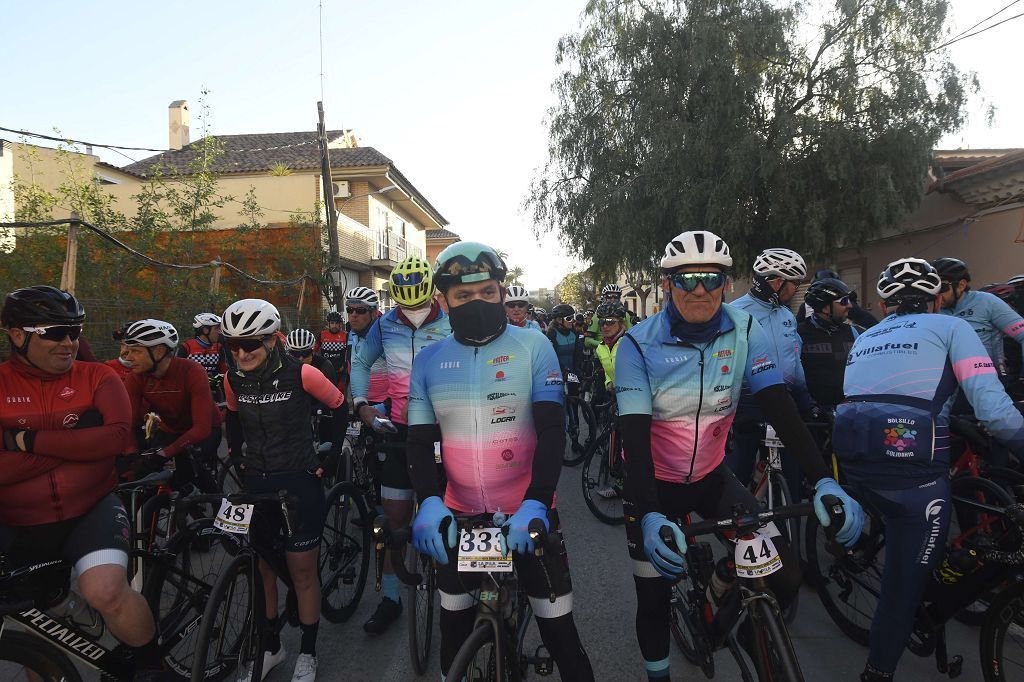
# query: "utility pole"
[[70, 271], [215, 278], [332, 213]]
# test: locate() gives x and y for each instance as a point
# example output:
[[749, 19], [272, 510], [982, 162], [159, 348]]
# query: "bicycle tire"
[[776, 659], [790, 529], [576, 442], [421, 600], [1007, 609], [34, 655], [475, 659], [248, 646], [178, 586], [596, 476], [682, 628], [344, 552]]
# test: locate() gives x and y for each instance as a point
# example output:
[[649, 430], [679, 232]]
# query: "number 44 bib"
[[756, 556]]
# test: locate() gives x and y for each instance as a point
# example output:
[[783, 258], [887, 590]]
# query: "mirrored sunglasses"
[[56, 332], [248, 344], [609, 321], [357, 311], [845, 300], [407, 279], [688, 281], [946, 286], [515, 304]]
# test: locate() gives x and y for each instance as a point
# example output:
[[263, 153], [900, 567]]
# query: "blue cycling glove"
[[665, 561], [519, 540], [854, 521], [426, 529]]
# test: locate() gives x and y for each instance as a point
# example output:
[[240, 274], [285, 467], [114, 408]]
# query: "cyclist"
[[826, 340], [777, 276], [333, 343], [610, 293], [516, 302], [267, 396], [611, 317], [892, 437], [361, 307], [121, 364], [567, 343], [299, 343], [579, 324], [398, 337], [205, 347], [178, 391], [678, 377], [540, 316], [509, 465], [856, 314], [64, 423]]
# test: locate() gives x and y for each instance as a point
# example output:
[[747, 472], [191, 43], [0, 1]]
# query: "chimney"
[[178, 124]]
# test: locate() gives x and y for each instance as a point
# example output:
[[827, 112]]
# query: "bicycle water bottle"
[[721, 579], [957, 564]]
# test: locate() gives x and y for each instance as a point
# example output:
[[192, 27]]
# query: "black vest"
[[824, 359], [275, 412]]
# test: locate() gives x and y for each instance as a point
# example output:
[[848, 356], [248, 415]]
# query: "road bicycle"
[[604, 471], [580, 424]]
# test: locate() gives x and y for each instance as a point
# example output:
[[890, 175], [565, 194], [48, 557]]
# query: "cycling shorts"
[[308, 515], [98, 538], [394, 474]]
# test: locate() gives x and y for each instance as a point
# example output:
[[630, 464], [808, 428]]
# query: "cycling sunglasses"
[[845, 300], [609, 321], [515, 304], [56, 332], [357, 311], [688, 281], [407, 279], [300, 354], [946, 286], [248, 344]]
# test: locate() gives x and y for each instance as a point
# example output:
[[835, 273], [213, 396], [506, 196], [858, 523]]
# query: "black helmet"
[[611, 309], [579, 318], [951, 269], [825, 274], [824, 292], [334, 316], [40, 305], [122, 331], [563, 310]]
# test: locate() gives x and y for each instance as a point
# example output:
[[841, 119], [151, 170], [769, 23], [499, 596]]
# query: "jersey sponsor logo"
[[889, 329], [498, 396], [932, 514], [503, 409], [503, 420], [554, 378], [506, 440], [70, 421], [501, 360], [966, 313], [725, 369], [67, 393], [722, 387], [725, 353], [723, 408], [278, 397], [499, 376], [900, 437], [980, 365], [885, 349], [724, 401], [761, 364], [507, 455], [623, 389], [451, 364], [675, 359], [19, 399]]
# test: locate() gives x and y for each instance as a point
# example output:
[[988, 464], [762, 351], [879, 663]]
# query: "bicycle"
[[604, 471], [345, 552], [746, 607], [577, 416]]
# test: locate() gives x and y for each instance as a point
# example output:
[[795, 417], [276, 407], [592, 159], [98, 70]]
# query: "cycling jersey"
[[182, 400], [395, 338], [82, 421], [210, 356], [378, 390], [568, 348], [901, 377], [691, 391], [334, 347], [527, 324], [483, 398], [275, 407], [779, 326], [990, 318]]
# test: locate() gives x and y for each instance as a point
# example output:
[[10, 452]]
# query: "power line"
[[87, 144], [966, 30], [970, 35]]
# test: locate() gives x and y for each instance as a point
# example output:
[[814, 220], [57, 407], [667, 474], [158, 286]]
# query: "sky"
[[455, 92]]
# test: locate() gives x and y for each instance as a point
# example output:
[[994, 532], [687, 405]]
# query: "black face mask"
[[477, 322]]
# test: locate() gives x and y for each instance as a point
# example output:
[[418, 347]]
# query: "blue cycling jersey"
[[565, 348], [892, 432], [779, 325], [990, 317]]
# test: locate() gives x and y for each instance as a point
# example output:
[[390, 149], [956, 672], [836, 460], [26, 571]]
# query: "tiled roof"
[[442, 234], [1005, 162], [261, 152]]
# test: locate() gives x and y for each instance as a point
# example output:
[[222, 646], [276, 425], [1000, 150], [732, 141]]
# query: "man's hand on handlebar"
[[426, 530], [519, 539], [367, 413], [853, 521], [667, 561]]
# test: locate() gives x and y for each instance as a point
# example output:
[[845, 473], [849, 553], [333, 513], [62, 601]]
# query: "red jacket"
[[210, 357], [70, 469], [181, 398]]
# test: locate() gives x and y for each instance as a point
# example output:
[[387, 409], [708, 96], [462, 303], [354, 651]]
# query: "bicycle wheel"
[[27, 657], [421, 600], [603, 481], [848, 586], [778, 493], [1001, 642], [476, 660], [683, 626], [774, 656], [580, 429], [344, 552], [178, 585], [231, 633]]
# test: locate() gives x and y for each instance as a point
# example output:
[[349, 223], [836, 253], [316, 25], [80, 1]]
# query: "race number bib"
[[233, 518], [480, 551], [437, 452], [771, 439], [756, 556]]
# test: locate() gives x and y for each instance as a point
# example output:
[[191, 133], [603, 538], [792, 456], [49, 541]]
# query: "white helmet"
[[250, 317], [300, 339], [909, 276], [696, 247], [517, 293], [151, 333], [205, 320], [1016, 280], [784, 263], [362, 295], [611, 289], [539, 311]]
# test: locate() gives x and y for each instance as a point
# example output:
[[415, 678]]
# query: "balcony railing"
[[391, 246]]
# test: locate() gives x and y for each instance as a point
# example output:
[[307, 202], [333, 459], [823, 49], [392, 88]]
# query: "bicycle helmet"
[[611, 290], [411, 282], [205, 320], [824, 292], [1016, 281], [908, 278], [250, 317], [579, 318], [826, 274], [695, 248], [362, 296], [784, 263], [334, 316], [119, 333], [563, 310], [40, 305], [150, 333], [516, 293], [467, 262], [951, 269], [611, 309], [300, 339]]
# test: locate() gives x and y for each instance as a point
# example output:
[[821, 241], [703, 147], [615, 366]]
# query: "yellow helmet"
[[411, 282]]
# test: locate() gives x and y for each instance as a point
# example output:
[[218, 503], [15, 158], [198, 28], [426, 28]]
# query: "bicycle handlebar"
[[746, 522], [287, 502]]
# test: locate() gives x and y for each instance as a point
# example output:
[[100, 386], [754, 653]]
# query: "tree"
[[720, 114], [580, 289], [514, 276]]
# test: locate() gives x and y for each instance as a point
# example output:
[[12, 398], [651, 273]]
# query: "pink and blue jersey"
[[691, 391], [482, 398], [378, 390], [990, 318]]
